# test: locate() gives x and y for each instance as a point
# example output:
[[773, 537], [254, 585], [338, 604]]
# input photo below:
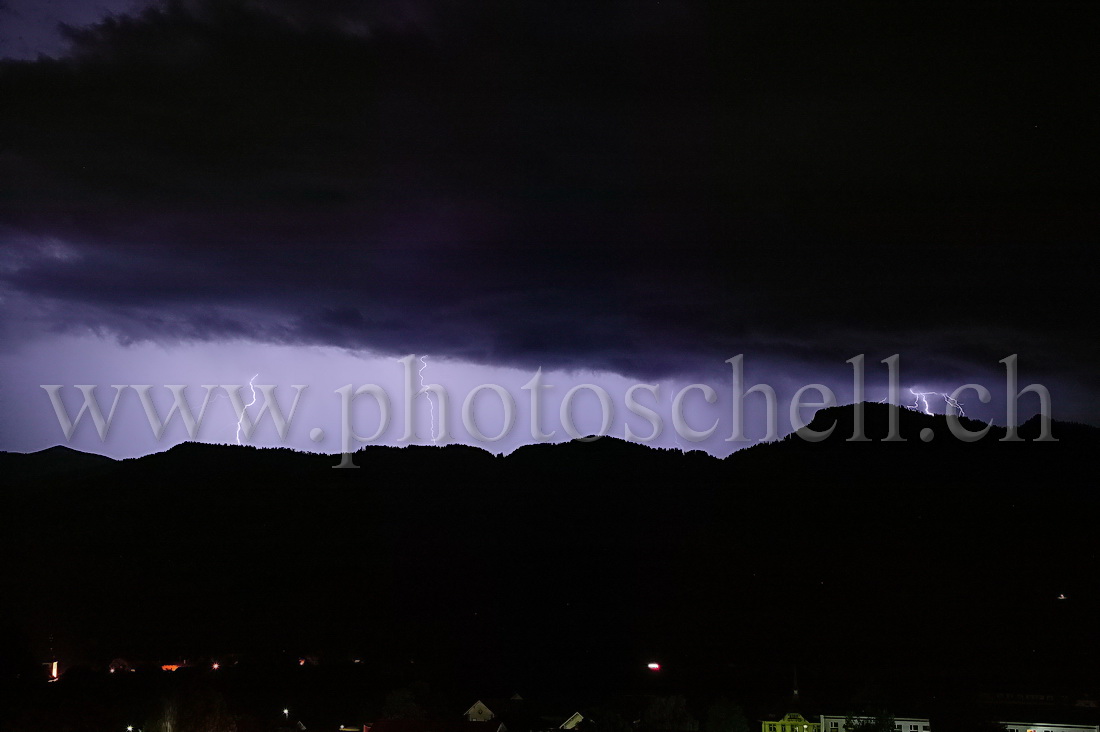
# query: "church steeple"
[[794, 697], [792, 721]]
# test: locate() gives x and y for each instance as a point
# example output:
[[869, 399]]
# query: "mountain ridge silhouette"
[[841, 418], [945, 551]]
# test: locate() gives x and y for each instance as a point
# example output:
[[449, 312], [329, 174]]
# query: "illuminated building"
[[791, 722], [1049, 727], [831, 723]]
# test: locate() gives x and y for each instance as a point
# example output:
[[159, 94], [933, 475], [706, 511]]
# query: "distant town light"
[[286, 712], [215, 665], [130, 728], [653, 666], [301, 662]]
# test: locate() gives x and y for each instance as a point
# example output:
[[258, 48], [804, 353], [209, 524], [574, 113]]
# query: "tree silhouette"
[[725, 715], [668, 714], [193, 708]]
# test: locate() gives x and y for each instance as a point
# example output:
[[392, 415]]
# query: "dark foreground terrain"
[[912, 575]]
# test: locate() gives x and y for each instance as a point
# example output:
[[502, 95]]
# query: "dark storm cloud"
[[640, 187]]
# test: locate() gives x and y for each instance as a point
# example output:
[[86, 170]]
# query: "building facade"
[[833, 723], [1048, 727], [792, 722]]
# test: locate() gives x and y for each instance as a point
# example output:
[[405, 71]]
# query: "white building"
[[832, 723], [1049, 727]]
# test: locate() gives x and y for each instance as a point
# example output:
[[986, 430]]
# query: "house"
[[517, 715], [791, 722], [478, 712], [571, 723]]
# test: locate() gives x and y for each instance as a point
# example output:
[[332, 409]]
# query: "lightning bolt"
[[920, 399], [246, 406], [955, 403], [431, 404]]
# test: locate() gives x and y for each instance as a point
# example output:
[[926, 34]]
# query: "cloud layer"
[[638, 189]]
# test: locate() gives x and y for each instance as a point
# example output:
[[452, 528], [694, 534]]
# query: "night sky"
[[199, 192]]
